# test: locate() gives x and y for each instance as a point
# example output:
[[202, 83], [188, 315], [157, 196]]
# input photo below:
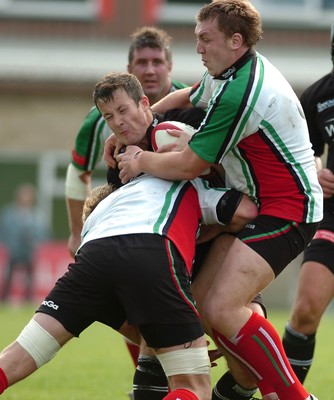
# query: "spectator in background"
[[22, 228]]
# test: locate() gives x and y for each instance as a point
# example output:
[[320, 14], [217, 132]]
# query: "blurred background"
[[52, 52]]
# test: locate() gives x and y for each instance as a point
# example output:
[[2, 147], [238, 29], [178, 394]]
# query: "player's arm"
[[178, 165], [244, 211], [326, 179], [223, 209], [231, 209], [78, 177], [77, 187], [112, 147], [177, 99]]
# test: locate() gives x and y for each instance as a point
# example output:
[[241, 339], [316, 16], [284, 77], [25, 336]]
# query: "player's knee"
[[38, 343], [189, 361], [305, 315], [214, 317]]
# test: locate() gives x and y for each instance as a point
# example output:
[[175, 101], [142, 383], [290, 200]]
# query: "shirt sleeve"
[[209, 199], [90, 141]]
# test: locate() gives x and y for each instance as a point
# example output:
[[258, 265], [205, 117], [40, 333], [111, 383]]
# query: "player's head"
[[150, 59], [121, 100], [96, 195], [225, 30], [151, 37], [111, 83], [234, 16]]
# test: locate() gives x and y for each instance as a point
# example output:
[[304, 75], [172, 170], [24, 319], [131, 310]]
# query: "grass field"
[[97, 366]]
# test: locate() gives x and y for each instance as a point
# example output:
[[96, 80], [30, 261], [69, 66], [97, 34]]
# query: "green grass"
[[97, 366]]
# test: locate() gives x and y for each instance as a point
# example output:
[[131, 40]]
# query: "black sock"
[[149, 382], [228, 389], [299, 349]]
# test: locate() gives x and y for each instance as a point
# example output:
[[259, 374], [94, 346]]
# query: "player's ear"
[[145, 102], [236, 40]]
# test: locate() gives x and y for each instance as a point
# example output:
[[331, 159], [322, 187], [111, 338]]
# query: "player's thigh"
[[209, 265], [53, 327], [131, 333], [242, 274]]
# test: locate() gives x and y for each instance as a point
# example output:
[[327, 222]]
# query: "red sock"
[[3, 381], [133, 350], [258, 346], [181, 394]]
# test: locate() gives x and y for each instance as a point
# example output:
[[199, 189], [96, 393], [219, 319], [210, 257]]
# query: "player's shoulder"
[[94, 114], [92, 119], [319, 89]]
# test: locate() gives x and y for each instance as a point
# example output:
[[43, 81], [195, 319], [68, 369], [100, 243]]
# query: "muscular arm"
[[234, 213], [74, 212], [77, 186], [173, 166], [245, 212]]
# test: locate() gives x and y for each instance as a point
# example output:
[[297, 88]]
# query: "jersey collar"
[[251, 53]]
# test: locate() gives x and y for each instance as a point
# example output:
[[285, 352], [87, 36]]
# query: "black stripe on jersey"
[[253, 175], [241, 109]]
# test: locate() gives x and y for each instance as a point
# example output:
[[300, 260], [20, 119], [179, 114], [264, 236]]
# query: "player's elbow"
[[246, 212], [194, 167]]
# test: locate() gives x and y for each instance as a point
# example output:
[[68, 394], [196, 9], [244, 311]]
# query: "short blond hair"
[[95, 197]]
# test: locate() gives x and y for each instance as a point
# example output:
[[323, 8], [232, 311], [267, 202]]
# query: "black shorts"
[[321, 248], [138, 278], [277, 240]]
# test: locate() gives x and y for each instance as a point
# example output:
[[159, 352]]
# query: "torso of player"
[[255, 127], [149, 205], [318, 103]]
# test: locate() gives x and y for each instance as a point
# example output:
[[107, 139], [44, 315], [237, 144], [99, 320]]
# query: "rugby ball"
[[160, 137]]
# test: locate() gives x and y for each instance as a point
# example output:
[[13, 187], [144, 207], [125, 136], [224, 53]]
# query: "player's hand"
[[127, 163], [111, 145], [214, 355], [326, 180], [181, 142], [73, 243]]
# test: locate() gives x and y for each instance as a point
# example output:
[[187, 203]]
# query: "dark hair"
[[104, 89], [150, 36], [234, 16]]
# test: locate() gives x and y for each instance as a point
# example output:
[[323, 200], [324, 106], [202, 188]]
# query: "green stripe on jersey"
[[166, 207]]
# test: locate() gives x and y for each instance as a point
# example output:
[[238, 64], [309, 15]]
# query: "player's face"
[[153, 71], [125, 118], [214, 47]]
